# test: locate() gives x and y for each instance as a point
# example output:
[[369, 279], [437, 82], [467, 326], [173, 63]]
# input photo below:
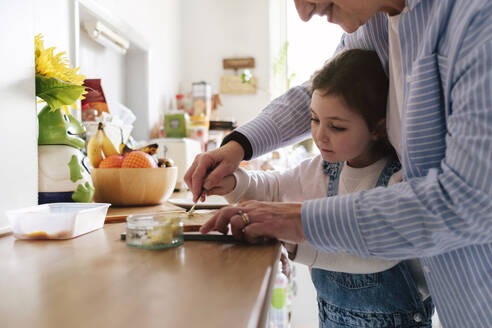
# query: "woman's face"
[[348, 14], [340, 133]]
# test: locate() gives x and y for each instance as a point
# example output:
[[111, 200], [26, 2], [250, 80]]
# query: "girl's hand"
[[225, 186], [209, 168], [253, 221]]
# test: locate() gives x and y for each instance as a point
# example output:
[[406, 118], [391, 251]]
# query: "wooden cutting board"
[[193, 223], [119, 214]]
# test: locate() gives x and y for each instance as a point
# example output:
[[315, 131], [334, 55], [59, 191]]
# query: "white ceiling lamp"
[[106, 37]]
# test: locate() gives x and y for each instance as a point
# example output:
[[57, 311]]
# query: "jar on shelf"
[[89, 114], [198, 129], [180, 104]]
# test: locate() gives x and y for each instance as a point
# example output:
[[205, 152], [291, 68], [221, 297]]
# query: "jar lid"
[[199, 118]]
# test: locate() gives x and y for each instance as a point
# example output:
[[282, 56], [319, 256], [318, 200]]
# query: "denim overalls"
[[384, 299]]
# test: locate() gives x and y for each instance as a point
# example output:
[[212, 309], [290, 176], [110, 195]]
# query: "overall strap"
[[392, 166], [333, 171]]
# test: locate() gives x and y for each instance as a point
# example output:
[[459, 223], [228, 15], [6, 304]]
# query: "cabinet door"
[[18, 121]]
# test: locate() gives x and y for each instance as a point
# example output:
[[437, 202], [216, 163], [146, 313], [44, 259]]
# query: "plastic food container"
[[154, 231], [57, 220]]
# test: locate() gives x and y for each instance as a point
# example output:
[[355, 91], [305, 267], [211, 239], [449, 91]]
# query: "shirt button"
[[409, 79], [417, 317], [426, 269]]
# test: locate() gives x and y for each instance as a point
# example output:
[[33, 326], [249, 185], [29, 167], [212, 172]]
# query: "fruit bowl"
[[134, 186]]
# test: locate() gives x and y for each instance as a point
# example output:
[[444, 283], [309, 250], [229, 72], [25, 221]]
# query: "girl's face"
[[340, 133], [348, 14]]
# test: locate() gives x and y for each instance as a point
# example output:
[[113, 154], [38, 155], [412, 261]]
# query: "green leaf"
[[56, 92], [84, 193], [76, 169]]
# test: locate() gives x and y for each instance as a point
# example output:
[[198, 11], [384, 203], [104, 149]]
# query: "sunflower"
[[57, 82]]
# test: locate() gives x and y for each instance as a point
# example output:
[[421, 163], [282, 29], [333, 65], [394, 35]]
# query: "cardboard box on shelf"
[[176, 124], [202, 99]]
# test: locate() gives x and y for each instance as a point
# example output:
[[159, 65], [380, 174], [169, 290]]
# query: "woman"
[[438, 55]]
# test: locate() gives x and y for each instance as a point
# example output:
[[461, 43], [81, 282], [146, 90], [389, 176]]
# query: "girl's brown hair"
[[357, 76]]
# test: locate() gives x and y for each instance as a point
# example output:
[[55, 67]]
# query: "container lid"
[[198, 118], [154, 219]]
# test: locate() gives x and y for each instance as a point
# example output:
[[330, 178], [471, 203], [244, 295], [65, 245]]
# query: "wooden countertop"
[[95, 280]]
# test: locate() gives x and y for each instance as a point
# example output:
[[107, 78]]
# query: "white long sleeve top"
[[308, 181]]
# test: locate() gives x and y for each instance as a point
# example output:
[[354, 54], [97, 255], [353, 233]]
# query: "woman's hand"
[[253, 221], [209, 168]]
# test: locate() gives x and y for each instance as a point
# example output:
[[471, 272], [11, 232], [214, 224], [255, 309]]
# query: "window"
[[310, 44]]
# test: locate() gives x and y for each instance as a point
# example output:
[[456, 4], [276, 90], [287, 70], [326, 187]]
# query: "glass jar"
[[89, 114], [155, 231], [198, 130], [180, 105]]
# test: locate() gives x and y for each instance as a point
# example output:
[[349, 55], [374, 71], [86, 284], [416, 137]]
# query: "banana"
[[122, 145], [150, 149], [124, 149], [107, 146], [94, 149]]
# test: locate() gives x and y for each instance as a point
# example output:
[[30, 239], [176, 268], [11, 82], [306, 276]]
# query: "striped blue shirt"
[[442, 212]]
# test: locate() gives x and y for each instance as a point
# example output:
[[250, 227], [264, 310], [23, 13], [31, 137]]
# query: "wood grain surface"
[[119, 214], [95, 280]]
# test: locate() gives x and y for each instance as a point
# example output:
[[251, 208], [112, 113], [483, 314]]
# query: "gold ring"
[[245, 217]]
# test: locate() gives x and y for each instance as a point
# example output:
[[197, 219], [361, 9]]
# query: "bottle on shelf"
[[278, 315]]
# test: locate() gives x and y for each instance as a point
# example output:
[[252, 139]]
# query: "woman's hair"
[[358, 77]]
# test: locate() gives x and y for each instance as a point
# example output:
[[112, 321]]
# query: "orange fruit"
[[113, 161], [138, 159]]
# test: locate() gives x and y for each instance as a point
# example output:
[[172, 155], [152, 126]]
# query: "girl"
[[348, 110]]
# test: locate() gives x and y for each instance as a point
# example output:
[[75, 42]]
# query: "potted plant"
[[63, 173]]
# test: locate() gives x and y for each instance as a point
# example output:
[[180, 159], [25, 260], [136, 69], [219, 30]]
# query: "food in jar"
[[155, 231], [165, 233]]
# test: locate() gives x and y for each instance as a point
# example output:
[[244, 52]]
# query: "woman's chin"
[[350, 27]]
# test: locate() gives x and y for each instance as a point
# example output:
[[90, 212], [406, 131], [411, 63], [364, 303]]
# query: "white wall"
[[160, 23], [52, 19], [20, 21], [217, 29], [18, 123], [157, 21], [98, 61], [188, 40]]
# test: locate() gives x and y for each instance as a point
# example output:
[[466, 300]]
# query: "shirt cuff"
[[262, 134], [330, 225], [305, 254], [242, 140], [242, 183]]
